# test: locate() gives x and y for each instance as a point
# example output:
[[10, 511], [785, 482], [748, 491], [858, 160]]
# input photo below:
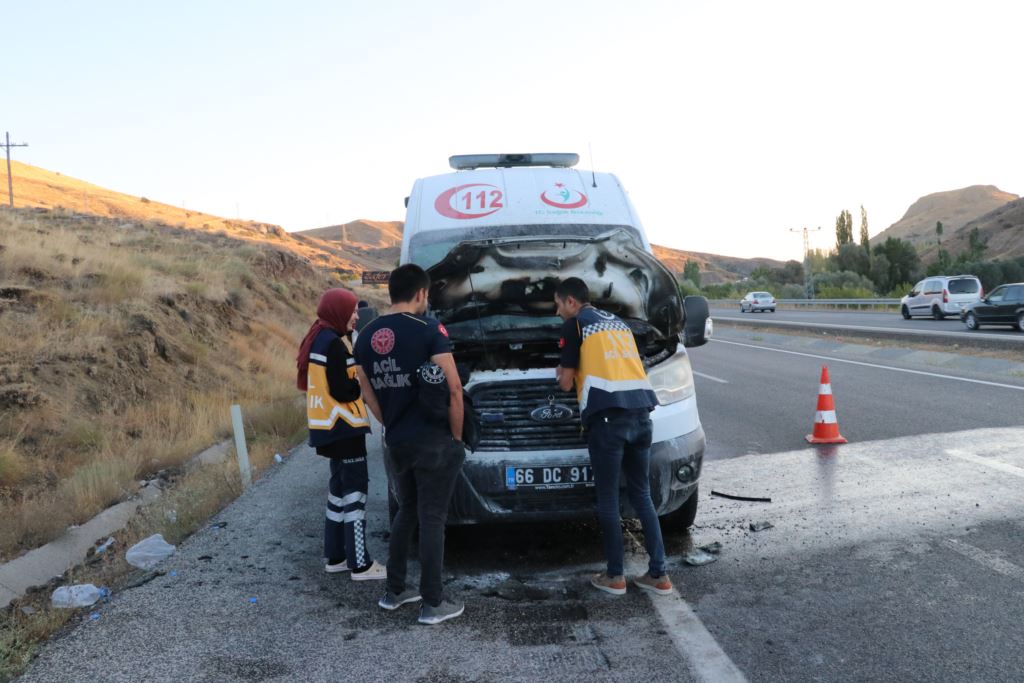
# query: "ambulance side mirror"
[[697, 324]]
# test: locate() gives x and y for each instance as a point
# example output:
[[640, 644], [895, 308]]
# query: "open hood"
[[483, 280]]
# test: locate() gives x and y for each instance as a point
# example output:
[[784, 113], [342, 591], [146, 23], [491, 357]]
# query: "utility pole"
[[10, 181], [808, 285]]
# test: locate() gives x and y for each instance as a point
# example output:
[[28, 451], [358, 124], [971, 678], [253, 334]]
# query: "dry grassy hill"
[[714, 268], [361, 233], [122, 344], [39, 188], [954, 208]]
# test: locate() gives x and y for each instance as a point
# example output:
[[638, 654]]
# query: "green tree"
[[844, 228], [880, 272], [851, 257], [976, 244], [691, 272], [865, 241], [904, 262]]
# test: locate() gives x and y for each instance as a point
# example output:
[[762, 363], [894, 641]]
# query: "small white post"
[[240, 448]]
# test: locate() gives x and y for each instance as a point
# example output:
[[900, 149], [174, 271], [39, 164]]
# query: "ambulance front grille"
[[504, 409]]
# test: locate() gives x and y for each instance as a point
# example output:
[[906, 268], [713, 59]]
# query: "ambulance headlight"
[[672, 379]]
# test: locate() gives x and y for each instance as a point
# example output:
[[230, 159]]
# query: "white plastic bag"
[[81, 595], [149, 552]]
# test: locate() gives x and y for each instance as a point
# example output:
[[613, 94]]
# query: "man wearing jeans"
[[397, 353], [599, 355]]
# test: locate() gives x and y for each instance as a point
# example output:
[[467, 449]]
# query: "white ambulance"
[[496, 236]]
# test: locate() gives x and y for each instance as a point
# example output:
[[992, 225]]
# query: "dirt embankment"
[[121, 345]]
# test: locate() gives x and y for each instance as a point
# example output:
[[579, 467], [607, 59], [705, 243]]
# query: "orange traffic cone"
[[826, 427]]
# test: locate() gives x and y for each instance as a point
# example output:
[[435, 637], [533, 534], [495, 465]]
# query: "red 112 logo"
[[474, 200]]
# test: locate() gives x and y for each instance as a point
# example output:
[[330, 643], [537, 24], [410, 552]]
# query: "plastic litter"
[[761, 526], [278, 459], [104, 593], [94, 616], [173, 573], [252, 601], [697, 558], [80, 595], [149, 552], [105, 546]]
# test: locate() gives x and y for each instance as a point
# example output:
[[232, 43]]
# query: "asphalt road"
[[896, 559], [869, 320], [754, 397]]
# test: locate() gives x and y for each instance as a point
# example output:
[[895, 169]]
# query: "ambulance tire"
[[682, 519]]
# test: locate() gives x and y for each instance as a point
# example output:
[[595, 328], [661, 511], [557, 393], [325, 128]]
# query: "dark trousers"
[[620, 441], [345, 526], [423, 475]]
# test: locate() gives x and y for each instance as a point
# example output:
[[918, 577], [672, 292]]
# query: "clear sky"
[[729, 123]]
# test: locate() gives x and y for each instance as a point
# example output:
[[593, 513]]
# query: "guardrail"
[[858, 304]]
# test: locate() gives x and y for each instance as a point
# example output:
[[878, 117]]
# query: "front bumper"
[[481, 494]]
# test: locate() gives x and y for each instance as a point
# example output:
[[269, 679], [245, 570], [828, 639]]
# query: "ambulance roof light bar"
[[466, 162]]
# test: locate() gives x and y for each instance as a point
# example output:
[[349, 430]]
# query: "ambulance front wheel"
[[682, 519]]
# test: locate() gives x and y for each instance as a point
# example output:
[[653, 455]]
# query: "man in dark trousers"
[[396, 353], [600, 356]]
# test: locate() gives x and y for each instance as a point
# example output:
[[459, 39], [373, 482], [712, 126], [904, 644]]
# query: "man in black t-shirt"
[[397, 353]]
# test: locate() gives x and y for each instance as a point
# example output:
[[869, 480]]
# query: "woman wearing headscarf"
[[338, 425]]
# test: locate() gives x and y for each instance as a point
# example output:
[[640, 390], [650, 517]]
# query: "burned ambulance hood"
[[483, 280]]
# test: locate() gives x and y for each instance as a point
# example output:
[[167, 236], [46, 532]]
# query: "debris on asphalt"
[[733, 496], [698, 557], [713, 548], [514, 590], [218, 525], [252, 601], [94, 616], [173, 573], [761, 526], [149, 552], [81, 595], [204, 558]]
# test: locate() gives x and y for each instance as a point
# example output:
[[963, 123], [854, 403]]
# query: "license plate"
[[549, 478]]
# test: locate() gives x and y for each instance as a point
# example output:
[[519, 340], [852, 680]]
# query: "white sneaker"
[[375, 572], [336, 568]]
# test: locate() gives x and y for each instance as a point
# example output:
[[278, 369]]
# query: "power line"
[[808, 285], [10, 179]]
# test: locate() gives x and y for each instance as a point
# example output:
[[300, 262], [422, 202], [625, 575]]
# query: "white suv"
[[941, 295]]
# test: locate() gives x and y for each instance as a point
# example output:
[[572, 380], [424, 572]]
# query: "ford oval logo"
[[552, 413]]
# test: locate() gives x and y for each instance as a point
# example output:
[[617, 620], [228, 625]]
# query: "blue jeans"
[[423, 474], [620, 441]]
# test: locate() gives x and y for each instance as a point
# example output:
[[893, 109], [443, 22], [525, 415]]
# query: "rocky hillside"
[[955, 208], [1003, 229]]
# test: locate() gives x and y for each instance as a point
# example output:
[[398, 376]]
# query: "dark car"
[[1003, 306]]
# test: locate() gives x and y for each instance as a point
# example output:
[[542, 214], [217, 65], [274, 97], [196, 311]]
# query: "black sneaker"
[[390, 601], [448, 609]]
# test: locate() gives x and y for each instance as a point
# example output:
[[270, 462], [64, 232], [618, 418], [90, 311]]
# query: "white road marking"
[[861, 328], [986, 559], [987, 462], [833, 359], [713, 379], [698, 648]]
